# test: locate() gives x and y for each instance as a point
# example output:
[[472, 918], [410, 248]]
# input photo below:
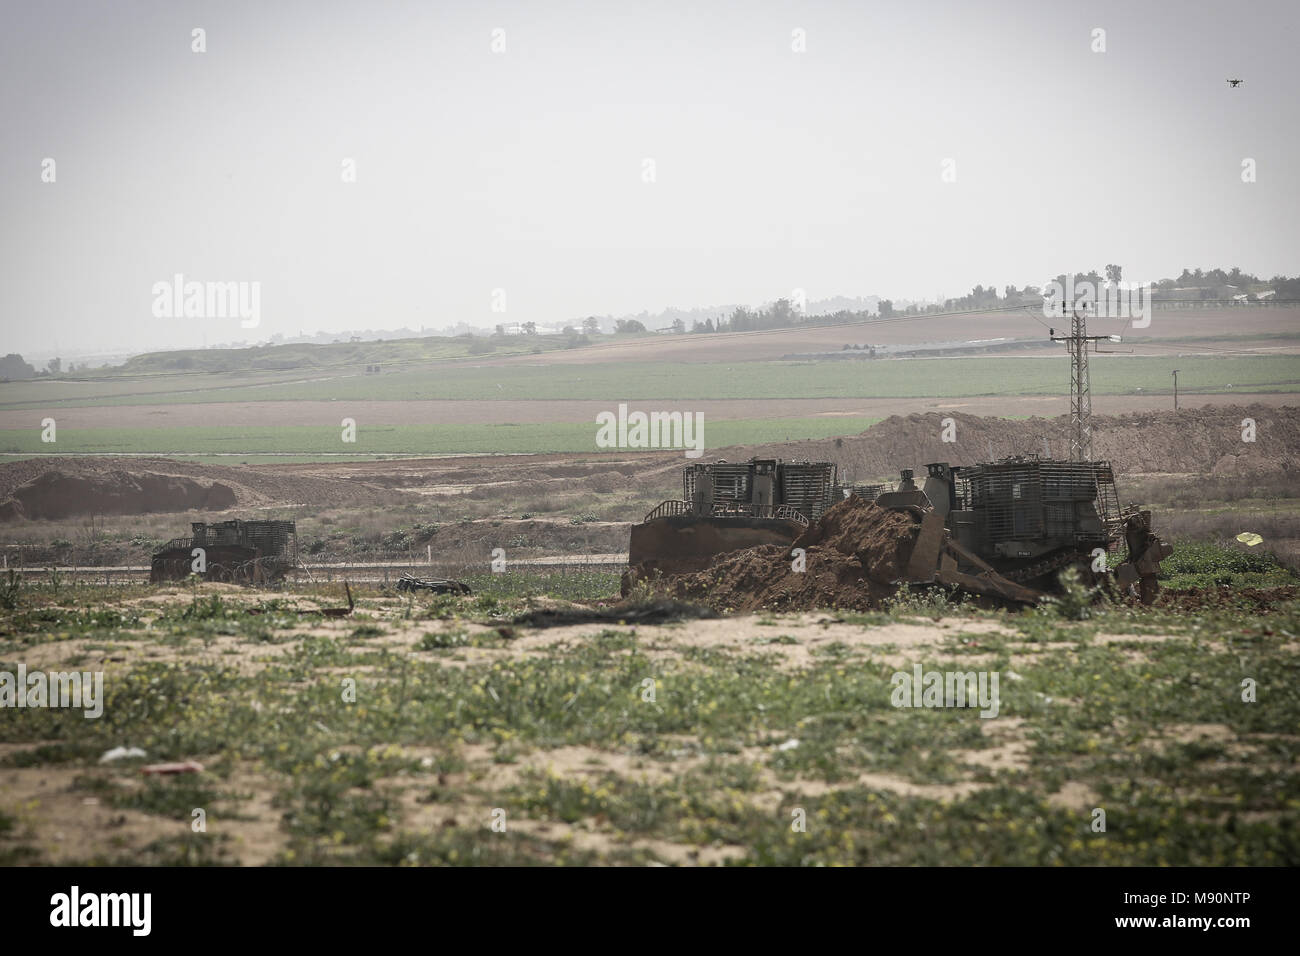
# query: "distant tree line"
[[14, 369], [1204, 284], [1211, 284]]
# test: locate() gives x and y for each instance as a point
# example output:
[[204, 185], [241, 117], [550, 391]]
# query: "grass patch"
[[375, 754]]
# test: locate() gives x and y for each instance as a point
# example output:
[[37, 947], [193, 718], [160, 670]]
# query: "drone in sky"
[[1234, 83]]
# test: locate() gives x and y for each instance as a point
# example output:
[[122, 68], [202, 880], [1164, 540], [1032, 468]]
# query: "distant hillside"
[[395, 352]]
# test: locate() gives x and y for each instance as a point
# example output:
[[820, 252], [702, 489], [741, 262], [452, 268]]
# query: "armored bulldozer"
[[1029, 518], [241, 552], [729, 506], [1004, 529]]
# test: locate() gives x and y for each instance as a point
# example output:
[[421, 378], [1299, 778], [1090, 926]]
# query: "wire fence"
[[323, 569]]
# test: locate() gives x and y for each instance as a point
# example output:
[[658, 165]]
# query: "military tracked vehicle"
[[242, 552], [1005, 528], [729, 506]]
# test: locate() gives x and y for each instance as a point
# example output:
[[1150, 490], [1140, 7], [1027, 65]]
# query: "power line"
[[1196, 348]]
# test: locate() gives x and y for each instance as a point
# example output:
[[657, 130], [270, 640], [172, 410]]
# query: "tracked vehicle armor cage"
[[869, 492], [269, 537], [245, 552], [1019, 499], [729, 482], [761, 487], [808, 487]]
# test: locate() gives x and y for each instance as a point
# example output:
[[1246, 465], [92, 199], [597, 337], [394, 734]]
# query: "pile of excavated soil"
[[854, 553], [65, 487], [1206, 440], [57, 494], [879, 539]]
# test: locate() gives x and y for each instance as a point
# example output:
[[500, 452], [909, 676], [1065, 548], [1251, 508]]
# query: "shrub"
[[919, 599], [1076, 599], [443, 639], [10, 589]]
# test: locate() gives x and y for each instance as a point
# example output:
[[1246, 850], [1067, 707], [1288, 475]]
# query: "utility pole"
[[1176, 389], [1080, 390]]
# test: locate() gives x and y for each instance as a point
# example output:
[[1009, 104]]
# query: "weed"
[[1076, 600], [10, 590], [438, 640]]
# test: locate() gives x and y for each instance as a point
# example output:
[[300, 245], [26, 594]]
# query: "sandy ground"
[[69, 823], [257, 414]]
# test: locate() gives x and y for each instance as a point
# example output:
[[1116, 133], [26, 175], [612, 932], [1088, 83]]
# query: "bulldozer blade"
[[900, 500], [686, 543], [924, 562], [989, 583], [968, 557]]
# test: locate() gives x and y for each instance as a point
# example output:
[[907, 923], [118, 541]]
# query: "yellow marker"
[[1250, 539]]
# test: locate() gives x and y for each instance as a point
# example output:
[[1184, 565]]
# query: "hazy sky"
[[523, 170]]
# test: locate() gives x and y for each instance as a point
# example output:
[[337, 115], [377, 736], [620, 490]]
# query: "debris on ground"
[[187, 766], [409, 582], [651, 612], [341, 611], [122, 753]]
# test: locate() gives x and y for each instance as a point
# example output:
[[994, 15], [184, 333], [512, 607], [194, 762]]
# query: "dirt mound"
[[854, 553], [880, 540], [62, 487], [763, 578], [1206, 440], [56, 494]]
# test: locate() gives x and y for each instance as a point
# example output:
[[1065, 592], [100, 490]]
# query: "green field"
[[418, 440], [902, 378], [771, 746]]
